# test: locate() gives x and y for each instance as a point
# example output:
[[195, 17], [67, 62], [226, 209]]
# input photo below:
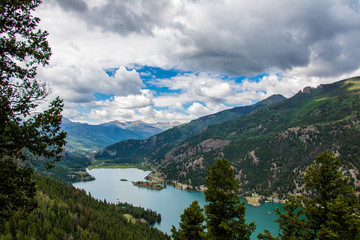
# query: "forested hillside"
[[134, 151], [270, 147], [64, 212]]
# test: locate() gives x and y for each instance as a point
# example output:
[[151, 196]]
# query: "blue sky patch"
[[103, 97]]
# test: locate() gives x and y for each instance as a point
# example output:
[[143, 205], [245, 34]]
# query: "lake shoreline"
[[155, 179], [149, 185], [169, 202], [255, 199]]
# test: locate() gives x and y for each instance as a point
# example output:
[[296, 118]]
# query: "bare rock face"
[[307, 90], [256, 160]]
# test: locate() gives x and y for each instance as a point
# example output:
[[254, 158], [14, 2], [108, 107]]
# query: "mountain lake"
[[110, 185]]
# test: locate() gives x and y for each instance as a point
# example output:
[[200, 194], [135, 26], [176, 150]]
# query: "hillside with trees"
[[269, 147], [131, 151], [64, 212], [328, 210]]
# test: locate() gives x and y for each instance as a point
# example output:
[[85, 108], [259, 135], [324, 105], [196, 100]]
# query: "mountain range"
[[83, 139], [134, 151], [269, 143], [86, 137]]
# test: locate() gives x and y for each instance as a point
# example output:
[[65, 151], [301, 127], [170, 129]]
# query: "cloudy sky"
[[176, 60]]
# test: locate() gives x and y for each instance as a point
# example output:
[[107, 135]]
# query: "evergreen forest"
[[64, 212]]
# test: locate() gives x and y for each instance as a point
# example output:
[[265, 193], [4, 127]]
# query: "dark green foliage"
[[225, 213], [266, 236], [331, 211], [138, 212], [20, 91], [292, 222], [65, 212], [31, 48], [191, 224], [334, 209], [24, 134], [71, 168], [17, 190]]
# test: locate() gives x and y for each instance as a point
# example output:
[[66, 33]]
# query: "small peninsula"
[[149, 185]]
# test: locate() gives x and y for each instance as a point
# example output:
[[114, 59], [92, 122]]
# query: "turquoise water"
[[169, 202]]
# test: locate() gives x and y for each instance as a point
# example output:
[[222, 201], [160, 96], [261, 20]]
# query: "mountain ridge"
[[268, 147], [136, 150], [95, 137]]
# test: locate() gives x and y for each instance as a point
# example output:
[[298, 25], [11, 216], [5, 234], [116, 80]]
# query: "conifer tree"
[[225, 213], [191, 225], [332, 211], [24, 131]]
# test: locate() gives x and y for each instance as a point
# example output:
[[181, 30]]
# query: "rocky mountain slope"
[[132, 151], [269, 147]]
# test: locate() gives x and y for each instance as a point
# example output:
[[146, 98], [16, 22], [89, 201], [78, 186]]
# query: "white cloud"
[[297, 43], [78, 83], [198, 109], [127, 102], [211, 90], [152, 115]]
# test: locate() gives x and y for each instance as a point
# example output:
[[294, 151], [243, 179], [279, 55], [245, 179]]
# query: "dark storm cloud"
[[240, 37], [121, 17], [73, 5], [323, 35], [259, 52]]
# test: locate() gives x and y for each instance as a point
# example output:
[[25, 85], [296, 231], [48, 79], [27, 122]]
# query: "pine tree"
[[24, 134], [191, 225], [16, 188], [332, 211], [291, 221], [225, 213]]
